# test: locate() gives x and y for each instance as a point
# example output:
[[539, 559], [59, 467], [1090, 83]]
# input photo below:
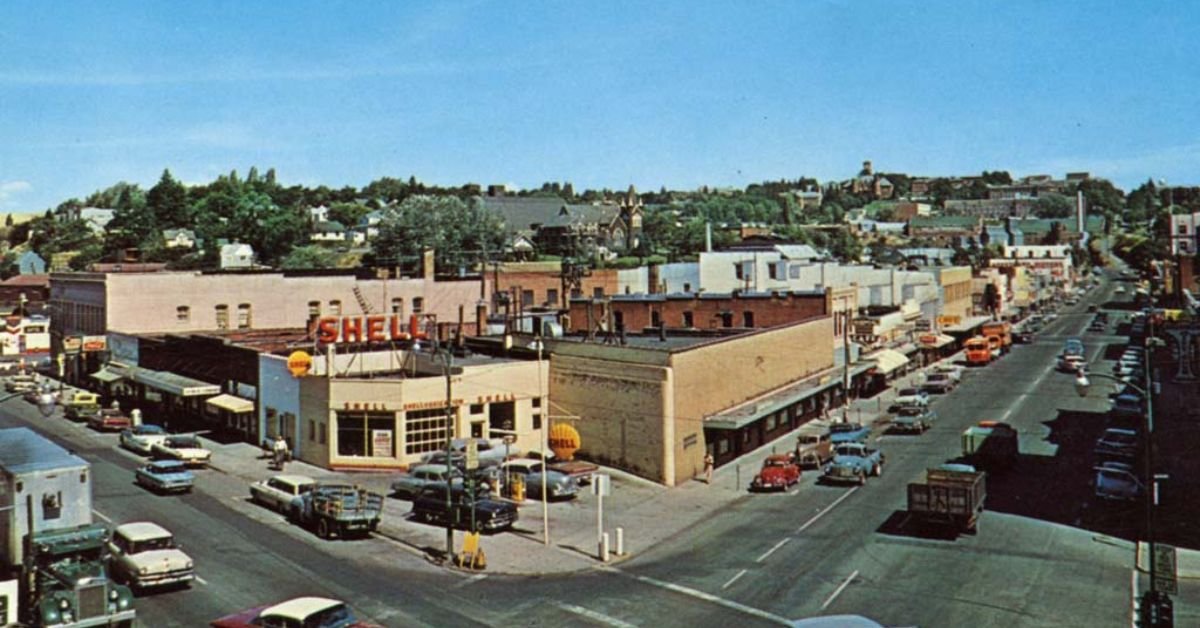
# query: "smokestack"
[[708, 237], [427, 264]]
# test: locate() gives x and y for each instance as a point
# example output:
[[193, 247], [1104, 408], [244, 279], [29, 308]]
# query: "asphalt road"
[[1044, 554]]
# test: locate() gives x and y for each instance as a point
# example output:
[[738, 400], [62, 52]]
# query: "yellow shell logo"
[[564, 441], [299, 363]]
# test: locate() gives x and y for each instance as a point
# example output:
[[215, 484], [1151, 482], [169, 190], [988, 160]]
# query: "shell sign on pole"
[[299, 363], [564, 441]]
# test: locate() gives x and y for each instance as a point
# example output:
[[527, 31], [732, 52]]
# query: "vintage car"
[[489, 514], [21, 383], [281, 492], [779, 471], [558, 485], [814, 444], [409, 485], [910, 398], [165, 476], [109, 420], [853, 462], [306, 612], [144, 555], [938, 383], [1117, 443], [913, 420], [141, 438], [1116, 481], [183, 447]]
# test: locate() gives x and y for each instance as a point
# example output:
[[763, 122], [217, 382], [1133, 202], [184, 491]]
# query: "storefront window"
[[366, 434], [222, 312], [424, 431]]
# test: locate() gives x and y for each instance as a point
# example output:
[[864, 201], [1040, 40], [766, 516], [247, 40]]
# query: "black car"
[[1023, 337], [489, 514]]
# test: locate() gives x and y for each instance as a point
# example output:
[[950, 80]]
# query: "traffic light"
[[1156, 611]]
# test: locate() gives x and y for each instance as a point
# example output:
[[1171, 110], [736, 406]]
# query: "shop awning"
[[230, 403], [932, 341], [889, 360], [109, 374], [177, 385], [968, 325]]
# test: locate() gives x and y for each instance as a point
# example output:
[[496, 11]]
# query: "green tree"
[[1053, 206], [167, 201], [308, 257], [459, 232]]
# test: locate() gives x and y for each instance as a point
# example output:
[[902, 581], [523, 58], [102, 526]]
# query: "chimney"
[[427, 266], [481, 318], [867, 168]]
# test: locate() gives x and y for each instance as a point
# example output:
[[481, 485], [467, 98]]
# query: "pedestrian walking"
[[708, 468], [279, 451]]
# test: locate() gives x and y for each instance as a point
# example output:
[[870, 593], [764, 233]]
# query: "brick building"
[[705, 311]]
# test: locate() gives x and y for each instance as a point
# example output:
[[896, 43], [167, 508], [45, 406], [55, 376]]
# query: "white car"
[[142, 438], [911, 398], [144, 555], [281, 491], [1119, 290], [182, 447], [954, 371]]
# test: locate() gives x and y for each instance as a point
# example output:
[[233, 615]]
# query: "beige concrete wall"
[[622, 408], [314, 421], [148, 302]]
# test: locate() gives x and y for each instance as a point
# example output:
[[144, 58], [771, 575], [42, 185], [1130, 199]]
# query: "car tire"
[[323, 528], [862, 478], [877, 470]]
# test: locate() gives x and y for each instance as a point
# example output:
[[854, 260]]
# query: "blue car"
[[165, 476]]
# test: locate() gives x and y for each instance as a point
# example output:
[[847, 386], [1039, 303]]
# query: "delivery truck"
[[952, 494]]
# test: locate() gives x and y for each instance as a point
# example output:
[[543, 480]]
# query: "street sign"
[[1164, 569], [600, 484], [472, 455]]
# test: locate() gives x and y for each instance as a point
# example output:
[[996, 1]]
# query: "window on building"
[[552, 296], [688, 320], [418, 304], [398, 307], [312, 430], [335, 307], [598, 292], [1182, 229], [773, 271], [747, 319], [537, 420], [726, 319], [243, 321], [477, 430], [424, 430], [794, 271], [366, 434], [537, 402], [687, 287], [222, 316], [323, 432], [655, 318], [526, 298], [314, 309], [739, 270], [183, 313], [477, 408], [619, 320]]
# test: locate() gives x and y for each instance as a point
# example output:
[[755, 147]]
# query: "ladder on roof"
[[362, 301]]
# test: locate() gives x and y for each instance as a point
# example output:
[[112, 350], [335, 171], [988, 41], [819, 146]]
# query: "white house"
[[237, 255], [97, 218], [318, 214], [369, 223], [328, 231], [179, 238]]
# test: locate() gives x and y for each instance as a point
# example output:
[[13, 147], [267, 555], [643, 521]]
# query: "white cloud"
[[9, 189]]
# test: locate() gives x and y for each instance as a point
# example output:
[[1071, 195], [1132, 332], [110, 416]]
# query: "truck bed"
[[955, 496]]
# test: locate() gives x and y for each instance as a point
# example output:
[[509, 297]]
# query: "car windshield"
[[149, 545], [183, 442], [909, 392]]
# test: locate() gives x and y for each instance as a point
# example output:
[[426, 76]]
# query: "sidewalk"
[[647, 512]]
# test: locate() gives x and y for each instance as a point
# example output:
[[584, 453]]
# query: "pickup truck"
[[339, 510], [848, 433], [853, 462], [951, 493], [779, 471]]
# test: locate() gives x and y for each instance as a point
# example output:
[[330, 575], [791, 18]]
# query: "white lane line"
[[733, 579], [827, 509], [772, 550], [472, 580], [202, 581], [594, 616], [102, 517], [1133, 614], [833, 596], [708, 597]]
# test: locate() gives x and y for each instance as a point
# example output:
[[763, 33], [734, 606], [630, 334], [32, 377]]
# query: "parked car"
[[184, 447], [21, 383], [489, 514], [1128, 404], [938, 383], [409, 485], [1117, 443], [301, 612], [953, 370], [814, 444], [141, 438], [853, 462], [848, 433], [144, 555], [558, 485], [910, 397], [779, 471], [1116, 481], [1119, 290], [914, 420], [110, 420], [281, 492], [165, 476]]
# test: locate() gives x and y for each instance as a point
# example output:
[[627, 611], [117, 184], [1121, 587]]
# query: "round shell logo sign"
[[299, 363], [564, 441]]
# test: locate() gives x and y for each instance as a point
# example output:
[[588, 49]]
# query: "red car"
[[778, 472], [310, 612], [109, 420]]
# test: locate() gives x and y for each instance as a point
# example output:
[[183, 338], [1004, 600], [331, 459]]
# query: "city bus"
[[979, 351]]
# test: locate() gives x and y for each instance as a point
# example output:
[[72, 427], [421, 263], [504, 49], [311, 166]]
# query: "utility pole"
[[545, 445], [448, 362]]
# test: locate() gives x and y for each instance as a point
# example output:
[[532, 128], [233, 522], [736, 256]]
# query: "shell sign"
[[299, 363], [564, 441]]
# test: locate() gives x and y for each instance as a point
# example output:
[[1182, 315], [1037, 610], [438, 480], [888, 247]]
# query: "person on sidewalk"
[[279, 452], [708, 468]]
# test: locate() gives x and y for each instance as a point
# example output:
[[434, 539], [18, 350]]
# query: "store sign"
[[564, 441], [72, 344], [922, 324], [91, 344], [928, 339], [299, 363], [372, 328], [948, 321], [381, 443]]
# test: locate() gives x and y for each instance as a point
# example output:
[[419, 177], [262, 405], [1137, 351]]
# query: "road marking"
[[594, 616], [833, 596], [772, 550], [827, 509], [1133, 611], [708, 597], [102, 517], [466, 581], [733, 579], [201, 580]]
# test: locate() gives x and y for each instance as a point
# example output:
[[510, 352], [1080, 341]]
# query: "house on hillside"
[[328, 231], [237, 255], [179, 238], [97, 218], [30, 263], [562, 228]]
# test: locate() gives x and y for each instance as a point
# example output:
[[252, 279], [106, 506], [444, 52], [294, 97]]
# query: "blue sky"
[[602, 94]]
